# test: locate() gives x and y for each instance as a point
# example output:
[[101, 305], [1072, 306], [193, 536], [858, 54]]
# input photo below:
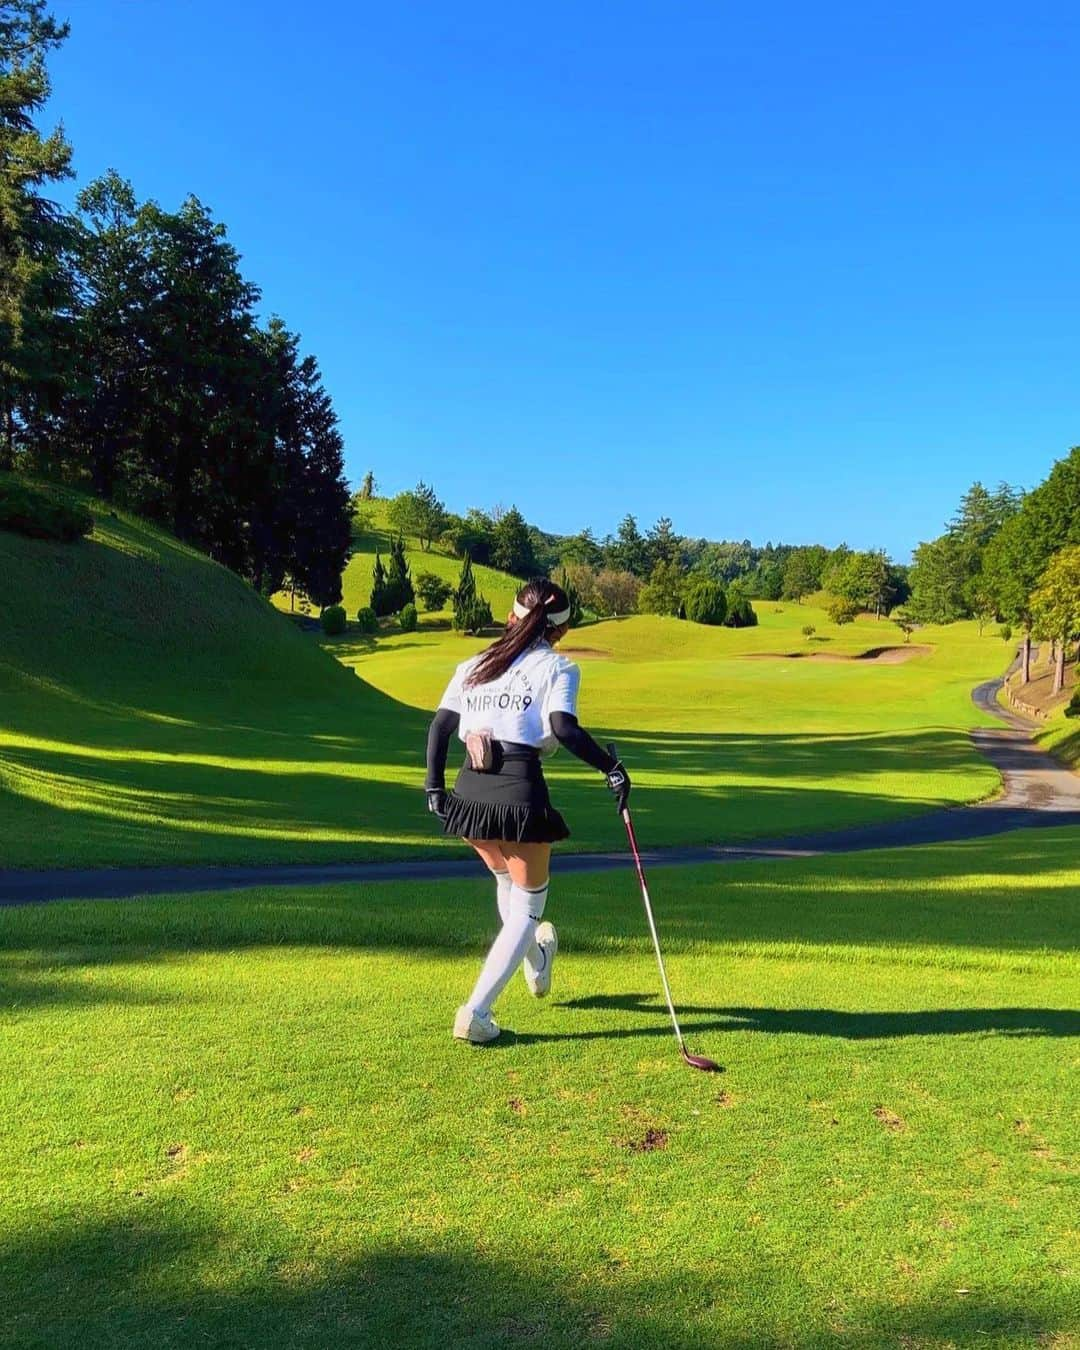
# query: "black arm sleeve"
[[443, 726], [578, 741]]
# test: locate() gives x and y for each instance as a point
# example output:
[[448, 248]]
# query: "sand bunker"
[[589, 653], [885, 656]]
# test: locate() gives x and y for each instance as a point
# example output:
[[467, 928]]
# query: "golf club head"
[[700, 1062]]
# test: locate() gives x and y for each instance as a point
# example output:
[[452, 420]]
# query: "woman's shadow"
[[852, 1026]]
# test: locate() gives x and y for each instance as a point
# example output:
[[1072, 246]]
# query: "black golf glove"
[[618, 781], [436, 802]]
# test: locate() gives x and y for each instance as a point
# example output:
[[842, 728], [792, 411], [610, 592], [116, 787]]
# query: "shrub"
[[408, 619], [333, 620], [808, 631], [706, 602], [433, 590], [741, 614], [1073, 707], [367, 620], [26, 510], [841, 610], [617, 592], [1005, 632]]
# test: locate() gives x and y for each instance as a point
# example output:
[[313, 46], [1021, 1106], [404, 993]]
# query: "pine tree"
[[323, 533], [419, 513], [471, 611], [662, 544], [106, 410], [378, 586], [627, 552], [36, 291], [397, 590], [512, 548]]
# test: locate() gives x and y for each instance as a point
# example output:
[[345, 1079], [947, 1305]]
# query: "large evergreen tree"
[[107, 409], [419, 513], [803, 571], [35, 282], [937, 581], [662, 544], [511, 545], [628, 551]]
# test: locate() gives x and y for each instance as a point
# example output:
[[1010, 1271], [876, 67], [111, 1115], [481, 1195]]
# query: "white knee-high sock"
[[509, 948], [502, 893]]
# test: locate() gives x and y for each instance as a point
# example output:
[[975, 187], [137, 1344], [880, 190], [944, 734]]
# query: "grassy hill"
[[1062, 738], [153, 708], [497, 587]]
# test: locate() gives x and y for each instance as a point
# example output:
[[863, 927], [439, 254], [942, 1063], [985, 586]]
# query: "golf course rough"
[[153, 708], [247, 1124]]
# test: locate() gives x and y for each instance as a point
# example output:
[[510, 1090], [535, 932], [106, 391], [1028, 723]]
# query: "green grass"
[[152, 708], [1062, 738], [239, 1120], [498, 588]]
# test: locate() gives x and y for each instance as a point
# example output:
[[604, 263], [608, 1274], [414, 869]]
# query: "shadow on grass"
[[852, 1026], [1024, 910], [138, 1282], [300, 782]]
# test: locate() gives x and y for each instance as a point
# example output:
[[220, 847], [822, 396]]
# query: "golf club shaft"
[[652, 923]]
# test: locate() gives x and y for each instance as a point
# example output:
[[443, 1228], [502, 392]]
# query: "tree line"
[[653, 571], [1013, 558], [133, 362]]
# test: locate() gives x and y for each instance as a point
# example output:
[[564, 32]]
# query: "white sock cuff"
[[529, 901]]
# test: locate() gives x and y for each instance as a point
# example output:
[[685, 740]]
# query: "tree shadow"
[[1027, 906], [143, 1282]]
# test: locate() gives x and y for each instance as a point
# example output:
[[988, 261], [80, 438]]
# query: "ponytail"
[[538, 605]]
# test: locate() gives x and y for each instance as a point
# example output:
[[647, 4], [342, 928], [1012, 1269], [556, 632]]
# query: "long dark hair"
[[541, 598]]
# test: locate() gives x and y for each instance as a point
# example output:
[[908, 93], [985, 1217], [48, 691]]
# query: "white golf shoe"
[[470, 1026], [538, 976]]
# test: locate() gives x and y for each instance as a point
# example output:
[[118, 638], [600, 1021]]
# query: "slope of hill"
[[152, 706], [498, 587], [1062, 738]]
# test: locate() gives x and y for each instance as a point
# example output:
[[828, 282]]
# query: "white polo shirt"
[[518, 705]]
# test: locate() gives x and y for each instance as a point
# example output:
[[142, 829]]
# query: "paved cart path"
[[1037, 791]]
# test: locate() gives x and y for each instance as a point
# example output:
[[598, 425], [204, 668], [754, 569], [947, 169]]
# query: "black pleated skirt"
[[511, 802]]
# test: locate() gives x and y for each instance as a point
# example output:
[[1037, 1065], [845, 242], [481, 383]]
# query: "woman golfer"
[[512, 704]]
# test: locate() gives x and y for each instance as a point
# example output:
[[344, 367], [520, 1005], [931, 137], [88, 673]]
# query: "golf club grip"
[[612, 751]]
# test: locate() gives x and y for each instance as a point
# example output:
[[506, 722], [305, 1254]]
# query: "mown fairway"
[[246, 1123], [153, 708]]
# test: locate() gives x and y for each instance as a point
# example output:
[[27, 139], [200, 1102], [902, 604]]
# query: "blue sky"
[[795, 272]]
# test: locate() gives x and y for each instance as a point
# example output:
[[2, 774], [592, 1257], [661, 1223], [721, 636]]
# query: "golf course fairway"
[[153, 708], [247, 1123]]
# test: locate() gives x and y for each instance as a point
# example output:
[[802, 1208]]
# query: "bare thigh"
[[528, 864]]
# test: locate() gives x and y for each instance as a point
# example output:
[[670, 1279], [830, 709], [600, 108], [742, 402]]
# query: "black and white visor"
[[554, 619]]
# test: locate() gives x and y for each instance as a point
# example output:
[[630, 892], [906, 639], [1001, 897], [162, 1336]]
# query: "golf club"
[[695, 1061]]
